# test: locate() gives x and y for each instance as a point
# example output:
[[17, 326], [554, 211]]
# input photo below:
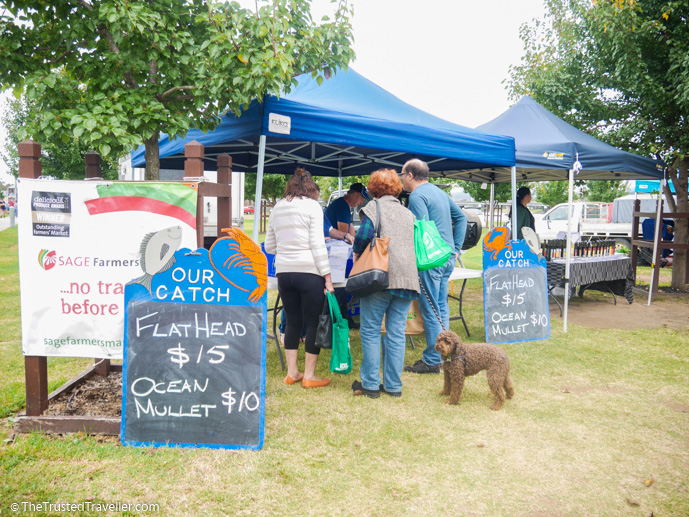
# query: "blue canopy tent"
[[347, 126], [549, 149]]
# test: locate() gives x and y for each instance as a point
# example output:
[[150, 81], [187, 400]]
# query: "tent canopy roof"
[[347, 123], [547, 148]]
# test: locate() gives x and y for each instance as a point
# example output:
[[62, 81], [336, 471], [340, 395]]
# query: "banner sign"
[[515, 290], [80, 242], [651, 186], [195, 350]]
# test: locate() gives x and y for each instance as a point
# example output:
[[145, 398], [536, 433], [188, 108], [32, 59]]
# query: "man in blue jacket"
[[427, 200]]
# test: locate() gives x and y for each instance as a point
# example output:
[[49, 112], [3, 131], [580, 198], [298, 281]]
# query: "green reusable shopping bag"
[[340, 355], [431, 249]]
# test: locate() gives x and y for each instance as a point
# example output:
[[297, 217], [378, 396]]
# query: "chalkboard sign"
[[195, 351], [515, 290]]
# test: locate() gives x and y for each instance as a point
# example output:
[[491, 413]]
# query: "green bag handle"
[[335, 312]]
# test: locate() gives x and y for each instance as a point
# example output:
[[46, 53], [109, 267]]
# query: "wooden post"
[[224, 203], [94, 171], [635, 237], [193, 167], [93, 165], [29, 159], [35, 367]]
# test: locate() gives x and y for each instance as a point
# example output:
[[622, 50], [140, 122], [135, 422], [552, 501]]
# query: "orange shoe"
[[289, 380], [313, 383]]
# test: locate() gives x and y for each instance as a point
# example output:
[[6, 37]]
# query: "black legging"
[[302, 299]]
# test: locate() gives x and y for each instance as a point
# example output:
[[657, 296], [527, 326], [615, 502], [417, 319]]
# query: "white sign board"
[[80, 243], [279, 124]]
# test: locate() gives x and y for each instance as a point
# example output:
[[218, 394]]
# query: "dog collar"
[[451, 358]]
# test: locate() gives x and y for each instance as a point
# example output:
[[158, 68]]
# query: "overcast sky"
[[447, 57]]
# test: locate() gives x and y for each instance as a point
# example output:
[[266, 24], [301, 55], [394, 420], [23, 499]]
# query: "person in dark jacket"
[[524, 217]]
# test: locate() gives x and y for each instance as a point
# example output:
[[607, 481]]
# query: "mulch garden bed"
[[97, 396]]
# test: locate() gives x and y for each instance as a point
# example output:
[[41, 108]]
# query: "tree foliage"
[[115, 73], [502, 191], [617, 69], [550, 193], [58, 159], [273, 186], [603, 191]]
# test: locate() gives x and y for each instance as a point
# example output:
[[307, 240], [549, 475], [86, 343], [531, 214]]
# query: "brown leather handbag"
[[370, 273]]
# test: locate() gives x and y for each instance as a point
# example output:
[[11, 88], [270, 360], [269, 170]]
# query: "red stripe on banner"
[[106, 205]]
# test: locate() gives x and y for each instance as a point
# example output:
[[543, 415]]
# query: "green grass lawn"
[[599, 425]]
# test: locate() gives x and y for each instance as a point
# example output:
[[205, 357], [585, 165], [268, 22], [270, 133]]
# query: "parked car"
[[248, 209]]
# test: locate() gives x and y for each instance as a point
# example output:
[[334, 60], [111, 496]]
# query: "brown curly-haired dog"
[[465, 359]]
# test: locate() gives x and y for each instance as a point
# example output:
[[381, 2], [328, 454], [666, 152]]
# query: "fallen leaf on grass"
[[480, 445], [632, 502], [649, 482]]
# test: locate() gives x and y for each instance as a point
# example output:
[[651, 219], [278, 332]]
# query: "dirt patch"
[[97, 396], [604, 314], [578, 390], [664, 278], [676, 406]]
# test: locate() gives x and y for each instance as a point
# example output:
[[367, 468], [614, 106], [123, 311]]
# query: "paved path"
[[5, 223]]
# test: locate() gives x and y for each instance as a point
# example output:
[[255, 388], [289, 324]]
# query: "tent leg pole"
[[491, 212], [656, 238], [514, 203], [339, 176], [259, 186], [569, 244]]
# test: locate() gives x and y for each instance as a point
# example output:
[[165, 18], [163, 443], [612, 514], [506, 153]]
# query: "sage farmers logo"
[[47, 259]]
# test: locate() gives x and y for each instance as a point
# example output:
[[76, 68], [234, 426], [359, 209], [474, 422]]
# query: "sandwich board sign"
[[515, 290], [194, 366]]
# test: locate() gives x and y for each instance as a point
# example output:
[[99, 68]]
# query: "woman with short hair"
[[396, 222], [295, 236]]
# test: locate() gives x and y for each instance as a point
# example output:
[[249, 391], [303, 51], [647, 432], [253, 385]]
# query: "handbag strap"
[[431, 304], [376, 232]]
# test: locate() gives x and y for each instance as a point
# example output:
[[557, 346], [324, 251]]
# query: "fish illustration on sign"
[[157, 254], [237, 257]]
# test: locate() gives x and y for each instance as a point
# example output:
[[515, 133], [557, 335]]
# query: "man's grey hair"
[[417, 168]]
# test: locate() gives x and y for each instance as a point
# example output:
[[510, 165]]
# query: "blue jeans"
[[435, 282], [395, 310]]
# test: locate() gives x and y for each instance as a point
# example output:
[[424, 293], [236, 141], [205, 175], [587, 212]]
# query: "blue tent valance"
[[348, 126]]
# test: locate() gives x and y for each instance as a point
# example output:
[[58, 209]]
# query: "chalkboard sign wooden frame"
[[515, 291], [194, 371]]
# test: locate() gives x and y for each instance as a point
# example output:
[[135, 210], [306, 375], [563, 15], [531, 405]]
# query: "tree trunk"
[[152, 158], [679, 257]]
